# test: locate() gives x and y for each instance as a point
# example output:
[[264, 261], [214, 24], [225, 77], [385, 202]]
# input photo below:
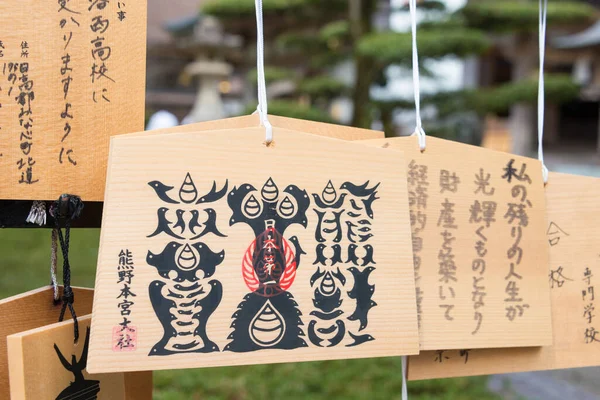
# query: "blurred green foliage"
[[321, 35], [225, 8], [512, 15], [272, 74], [393, 47], [322, 86]]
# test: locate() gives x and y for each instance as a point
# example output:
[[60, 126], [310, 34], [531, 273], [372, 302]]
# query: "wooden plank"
[[72, 73], [481, 258], [347, 300], [28, 311], [37, 370], [573, 233], [251, 121]]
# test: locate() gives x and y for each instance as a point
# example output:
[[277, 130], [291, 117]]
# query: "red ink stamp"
[[124, 338]]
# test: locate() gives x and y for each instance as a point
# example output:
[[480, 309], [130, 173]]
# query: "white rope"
[[541, 94], [53, 263], [404, 377], [260, 70], [416, 79]]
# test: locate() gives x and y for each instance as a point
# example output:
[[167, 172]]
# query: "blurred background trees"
[[349, 62]]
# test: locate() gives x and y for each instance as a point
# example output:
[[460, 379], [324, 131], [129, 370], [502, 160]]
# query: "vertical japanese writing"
[[18, 75], [101, 51], [482, 215], [517, 218], [125, 334], [68, 25], [121, 14], [556, 276], [587, 294], [448, 184], [417, 198]]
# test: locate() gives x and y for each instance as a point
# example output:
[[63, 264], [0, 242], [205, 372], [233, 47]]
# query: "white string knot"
[[416, 78], [541, 94], [420, 133], [262, 108]]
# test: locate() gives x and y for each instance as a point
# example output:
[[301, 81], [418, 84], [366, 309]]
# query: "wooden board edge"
[[16, 367], [115, 140], [68, 320], [40, 290]]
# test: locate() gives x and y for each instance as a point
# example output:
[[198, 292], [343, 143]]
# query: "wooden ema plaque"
[[481, 257], [44, 363], [251, 121], [72, 73], [238, 253], [28, 311], [573, 232]]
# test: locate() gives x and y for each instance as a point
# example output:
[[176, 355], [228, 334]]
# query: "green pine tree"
[[306, 39]]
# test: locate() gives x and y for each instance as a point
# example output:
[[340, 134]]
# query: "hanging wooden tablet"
[[481, 256], [45, 363], [250, 121], [573, 232], [239, 253], [28, 311], [72, 73]]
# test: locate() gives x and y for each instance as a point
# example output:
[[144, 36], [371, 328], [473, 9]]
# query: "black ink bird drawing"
[[163, 224], [298, 251], [362, 292], [359, 191], [337, 254], [210, 225], [359, 339], [368, 258], [214, 194], [368, 203], [350, 232], [336, 204], [352, 257], [180, 221], [194, 221], [321, 259], [161, 191]]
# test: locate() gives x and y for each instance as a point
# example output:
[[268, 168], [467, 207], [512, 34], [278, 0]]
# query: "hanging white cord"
[[541, 93], [404, 377], [260, 70], [416, 79]]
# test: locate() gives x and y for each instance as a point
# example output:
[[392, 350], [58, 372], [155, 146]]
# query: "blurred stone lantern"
[[202, 38]]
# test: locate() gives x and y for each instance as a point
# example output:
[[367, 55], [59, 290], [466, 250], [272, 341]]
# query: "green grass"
[[24, 262]]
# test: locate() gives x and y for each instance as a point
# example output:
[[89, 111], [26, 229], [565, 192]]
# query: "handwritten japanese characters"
[[482, 214], [63, 93], [478, 223], [571, 233], [418, 184], [46, 363], [248, 261]]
